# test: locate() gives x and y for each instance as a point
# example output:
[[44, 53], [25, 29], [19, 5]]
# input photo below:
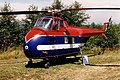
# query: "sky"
[[96, 16]]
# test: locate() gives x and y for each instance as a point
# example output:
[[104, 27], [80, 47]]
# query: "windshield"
[[44, 23]]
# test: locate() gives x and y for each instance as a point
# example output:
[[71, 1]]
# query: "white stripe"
[[59, 46]]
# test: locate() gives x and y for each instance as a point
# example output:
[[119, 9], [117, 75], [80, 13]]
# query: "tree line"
[[12, 31]]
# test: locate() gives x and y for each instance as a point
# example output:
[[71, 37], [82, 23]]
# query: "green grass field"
[[102, 67]]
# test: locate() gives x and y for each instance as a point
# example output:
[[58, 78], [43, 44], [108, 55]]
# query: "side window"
[[73, 40], [66, 40], [55, 27], [69, 40], [62, 23]]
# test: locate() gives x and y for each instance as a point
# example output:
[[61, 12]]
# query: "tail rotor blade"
[[110, 18]]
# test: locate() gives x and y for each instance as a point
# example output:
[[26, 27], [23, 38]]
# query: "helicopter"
[[52, 37]]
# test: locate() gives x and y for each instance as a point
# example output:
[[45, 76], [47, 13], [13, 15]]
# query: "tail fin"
[[106, 24], [104, 28]]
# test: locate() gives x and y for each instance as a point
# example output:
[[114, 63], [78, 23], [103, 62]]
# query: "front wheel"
[[29, 63]]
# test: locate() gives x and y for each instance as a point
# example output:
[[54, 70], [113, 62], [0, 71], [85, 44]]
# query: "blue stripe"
[[32, 51]]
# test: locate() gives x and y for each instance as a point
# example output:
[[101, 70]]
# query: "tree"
[[113, 34], [73, 17], [29, 22], [57, 4], [76, 17], [9, 28], [31, 18]]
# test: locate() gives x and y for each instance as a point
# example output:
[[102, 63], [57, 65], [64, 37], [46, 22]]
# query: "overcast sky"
[[96, 16]]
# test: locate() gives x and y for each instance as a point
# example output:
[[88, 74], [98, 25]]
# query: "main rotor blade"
[[91, 9], [53, 11], [22, 12]]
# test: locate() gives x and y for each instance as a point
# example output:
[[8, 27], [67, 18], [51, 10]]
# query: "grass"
[[108, 56], [102, 67], [12, 53]]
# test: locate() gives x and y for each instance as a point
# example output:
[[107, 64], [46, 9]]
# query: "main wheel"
[[47, 65]]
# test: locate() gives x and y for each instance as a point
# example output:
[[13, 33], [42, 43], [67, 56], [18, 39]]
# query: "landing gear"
[[81, 54], [29, 63], [47, 63], [84, 58]]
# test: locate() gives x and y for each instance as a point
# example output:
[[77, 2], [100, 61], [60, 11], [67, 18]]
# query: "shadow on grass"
[[104, 65], [54, 62]]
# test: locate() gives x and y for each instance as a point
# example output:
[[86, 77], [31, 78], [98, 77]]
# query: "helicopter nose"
[[34, 38], [30, 49]]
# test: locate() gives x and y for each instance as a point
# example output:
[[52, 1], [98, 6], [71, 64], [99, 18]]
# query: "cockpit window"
[[44, 23]]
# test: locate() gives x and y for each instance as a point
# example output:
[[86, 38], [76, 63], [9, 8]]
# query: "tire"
[[47, 65]]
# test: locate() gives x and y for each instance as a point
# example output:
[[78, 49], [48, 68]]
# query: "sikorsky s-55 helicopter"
[[52, 37]]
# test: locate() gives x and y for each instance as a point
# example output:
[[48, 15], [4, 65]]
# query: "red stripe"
[[34, 32]]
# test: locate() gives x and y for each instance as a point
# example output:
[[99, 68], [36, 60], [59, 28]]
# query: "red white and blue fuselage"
[[51, 37]]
